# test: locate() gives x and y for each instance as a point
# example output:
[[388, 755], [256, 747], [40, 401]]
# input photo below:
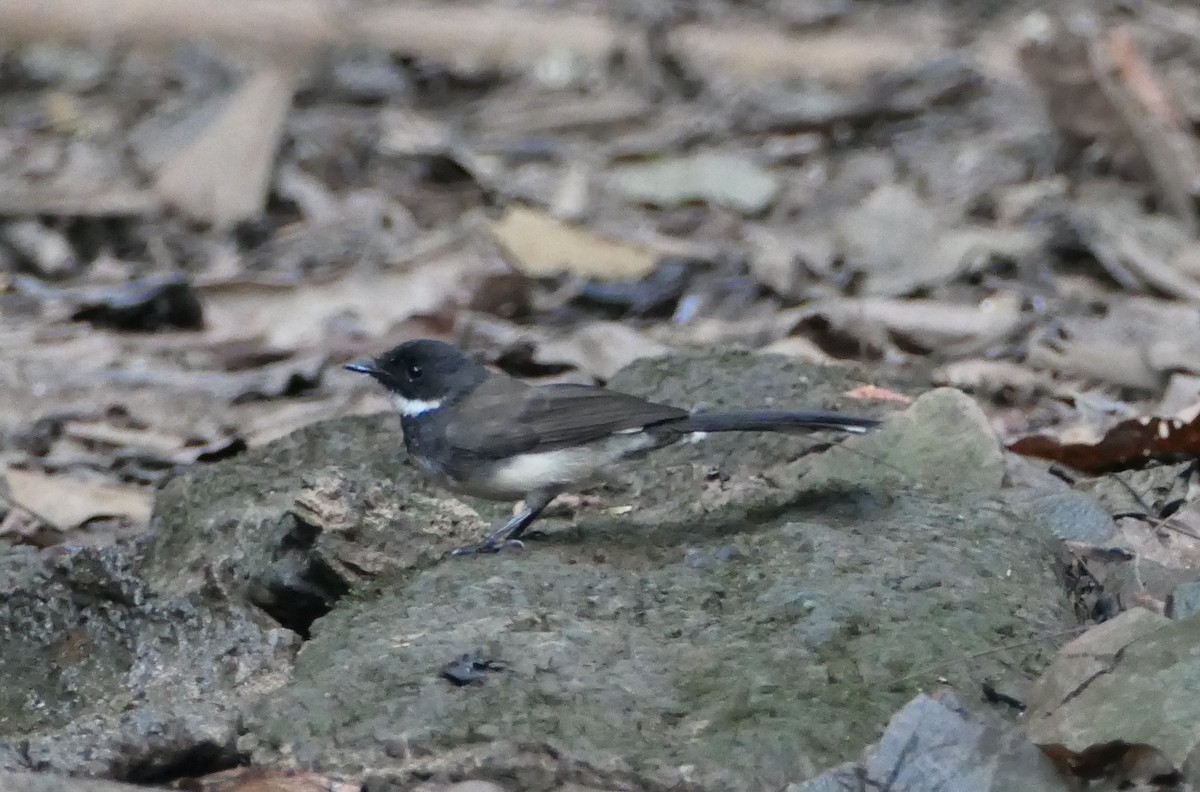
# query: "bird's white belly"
[[566, 467]]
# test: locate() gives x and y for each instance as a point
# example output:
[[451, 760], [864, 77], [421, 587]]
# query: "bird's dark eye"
[[414, 372]]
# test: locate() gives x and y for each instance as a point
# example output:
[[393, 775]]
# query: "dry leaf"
[[68, 502], [1133, 443], [725, 180], [876, 393], [600, 349], [901, 243], [267, 421], [540, 246], [1174, 543], [754, 332], [782, 258], [1135, 344], [147, 445], [19, 198], [224, 174], [501, 36], [146, 440], [1136, 249], [296, 317], [162, 302], [1181, 398], [991, 376], [923, 324]]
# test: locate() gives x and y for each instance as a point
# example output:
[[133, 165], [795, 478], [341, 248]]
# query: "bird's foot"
[[492, 544]]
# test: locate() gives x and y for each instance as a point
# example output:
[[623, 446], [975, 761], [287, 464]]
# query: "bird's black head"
[[422, 375]]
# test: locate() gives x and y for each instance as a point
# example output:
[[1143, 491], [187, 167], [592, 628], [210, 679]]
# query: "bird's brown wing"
[[551, 417]]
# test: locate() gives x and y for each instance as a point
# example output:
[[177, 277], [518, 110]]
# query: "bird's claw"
[[488, 545]]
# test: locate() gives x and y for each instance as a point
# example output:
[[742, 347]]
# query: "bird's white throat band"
[[411, 408]]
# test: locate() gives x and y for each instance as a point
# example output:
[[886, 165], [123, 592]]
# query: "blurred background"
[[206, 208]]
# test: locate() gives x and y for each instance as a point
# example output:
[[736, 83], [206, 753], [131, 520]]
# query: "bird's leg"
[[509, 534]]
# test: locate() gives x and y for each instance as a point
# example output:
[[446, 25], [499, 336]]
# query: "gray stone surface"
[[941, 447], [737, 631], [731, 615], [304, 520], [1134, 679], [1185, 600], [296, 524], [1071, 516], [935, 744], [46, 782], [102, 677]]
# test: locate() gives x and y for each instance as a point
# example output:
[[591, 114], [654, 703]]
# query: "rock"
[[44, 782], [767, 666], [19, 564], [943, 444], [749, 612], [1184, 601], [730, 631], [103, 677], [304, 520], [737, 380], [296, 524], [1090, 654], [935, 744], [1132, 679], [1069, 515]]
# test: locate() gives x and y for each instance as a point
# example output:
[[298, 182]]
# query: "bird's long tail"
[[773, 421]]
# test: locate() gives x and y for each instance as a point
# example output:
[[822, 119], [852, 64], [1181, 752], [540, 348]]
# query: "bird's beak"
[[363, 366]]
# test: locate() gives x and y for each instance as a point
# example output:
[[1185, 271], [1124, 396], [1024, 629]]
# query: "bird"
[[485, 434]]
